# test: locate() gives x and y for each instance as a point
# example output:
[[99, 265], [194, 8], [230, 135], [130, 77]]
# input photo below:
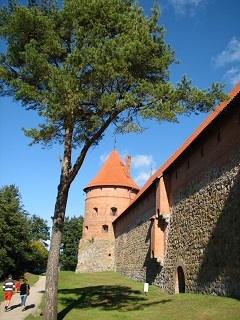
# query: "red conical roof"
[[113, 173]]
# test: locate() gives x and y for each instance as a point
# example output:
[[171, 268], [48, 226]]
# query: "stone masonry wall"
[[204, 235], [132, 251], [95, 255]]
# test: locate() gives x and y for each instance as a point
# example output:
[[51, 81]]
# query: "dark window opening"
[[181, 280], [105, 228], [113, 211]]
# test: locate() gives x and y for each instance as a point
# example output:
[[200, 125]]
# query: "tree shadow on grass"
[[119, 298]]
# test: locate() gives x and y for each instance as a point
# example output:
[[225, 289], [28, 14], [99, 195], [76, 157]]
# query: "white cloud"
[[230, 54], [141, 177], [233, 75], [142, 160], [182, 7], [143, 167], [103, 157]]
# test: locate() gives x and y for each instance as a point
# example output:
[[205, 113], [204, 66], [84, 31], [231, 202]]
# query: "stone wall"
[[204, 234], [203, 237], [95, 255], [132, 251]]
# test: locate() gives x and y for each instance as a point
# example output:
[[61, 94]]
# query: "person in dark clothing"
[[8, 288], [24, 292]]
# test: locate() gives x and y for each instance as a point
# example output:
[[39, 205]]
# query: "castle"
[[180, 231]]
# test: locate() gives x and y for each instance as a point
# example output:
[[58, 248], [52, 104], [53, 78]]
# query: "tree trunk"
[[51, 287]]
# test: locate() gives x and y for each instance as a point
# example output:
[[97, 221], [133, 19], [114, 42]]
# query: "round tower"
[[109, 193]]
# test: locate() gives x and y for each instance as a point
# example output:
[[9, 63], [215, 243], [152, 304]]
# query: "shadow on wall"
[[153, 268], [220, 268]]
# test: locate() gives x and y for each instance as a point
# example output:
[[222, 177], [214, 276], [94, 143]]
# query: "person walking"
[[17, 286], [8, 288], [24, 292]]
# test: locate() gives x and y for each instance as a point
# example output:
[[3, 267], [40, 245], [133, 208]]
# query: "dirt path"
[[32, 303]]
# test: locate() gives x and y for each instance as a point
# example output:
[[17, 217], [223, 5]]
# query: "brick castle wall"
[[202, 236]]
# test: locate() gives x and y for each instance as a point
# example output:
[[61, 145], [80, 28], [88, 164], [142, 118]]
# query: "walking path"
[[32, 303]]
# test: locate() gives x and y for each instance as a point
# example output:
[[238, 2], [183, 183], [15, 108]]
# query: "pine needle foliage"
[[83, 67]]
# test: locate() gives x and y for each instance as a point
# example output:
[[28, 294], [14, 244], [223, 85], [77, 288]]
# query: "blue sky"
[[206, 37]]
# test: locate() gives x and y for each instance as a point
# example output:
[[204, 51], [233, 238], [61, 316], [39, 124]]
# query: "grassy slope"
[[109, 295]]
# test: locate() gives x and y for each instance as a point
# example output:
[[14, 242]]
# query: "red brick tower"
[[107, 196]]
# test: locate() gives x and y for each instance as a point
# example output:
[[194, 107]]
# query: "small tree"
[[39, 229], [21, 246], [83, 67], [14, 231], [37, 250], [37, 256], [72, 233]]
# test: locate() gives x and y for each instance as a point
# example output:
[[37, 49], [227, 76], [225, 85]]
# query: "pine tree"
[[83, 67], [14, 231], [72, 233]]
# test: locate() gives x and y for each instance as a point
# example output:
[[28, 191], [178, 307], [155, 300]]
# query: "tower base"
[[96, 255]]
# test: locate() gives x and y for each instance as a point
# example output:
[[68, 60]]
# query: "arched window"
[[105, 228], [181, 280], [113, 211], [95, 212]]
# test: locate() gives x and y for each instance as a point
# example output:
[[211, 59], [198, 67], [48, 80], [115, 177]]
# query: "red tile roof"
[[213, 115], [113, 173]]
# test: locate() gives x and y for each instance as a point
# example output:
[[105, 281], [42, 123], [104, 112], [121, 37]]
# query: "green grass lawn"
[[109, 295]]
